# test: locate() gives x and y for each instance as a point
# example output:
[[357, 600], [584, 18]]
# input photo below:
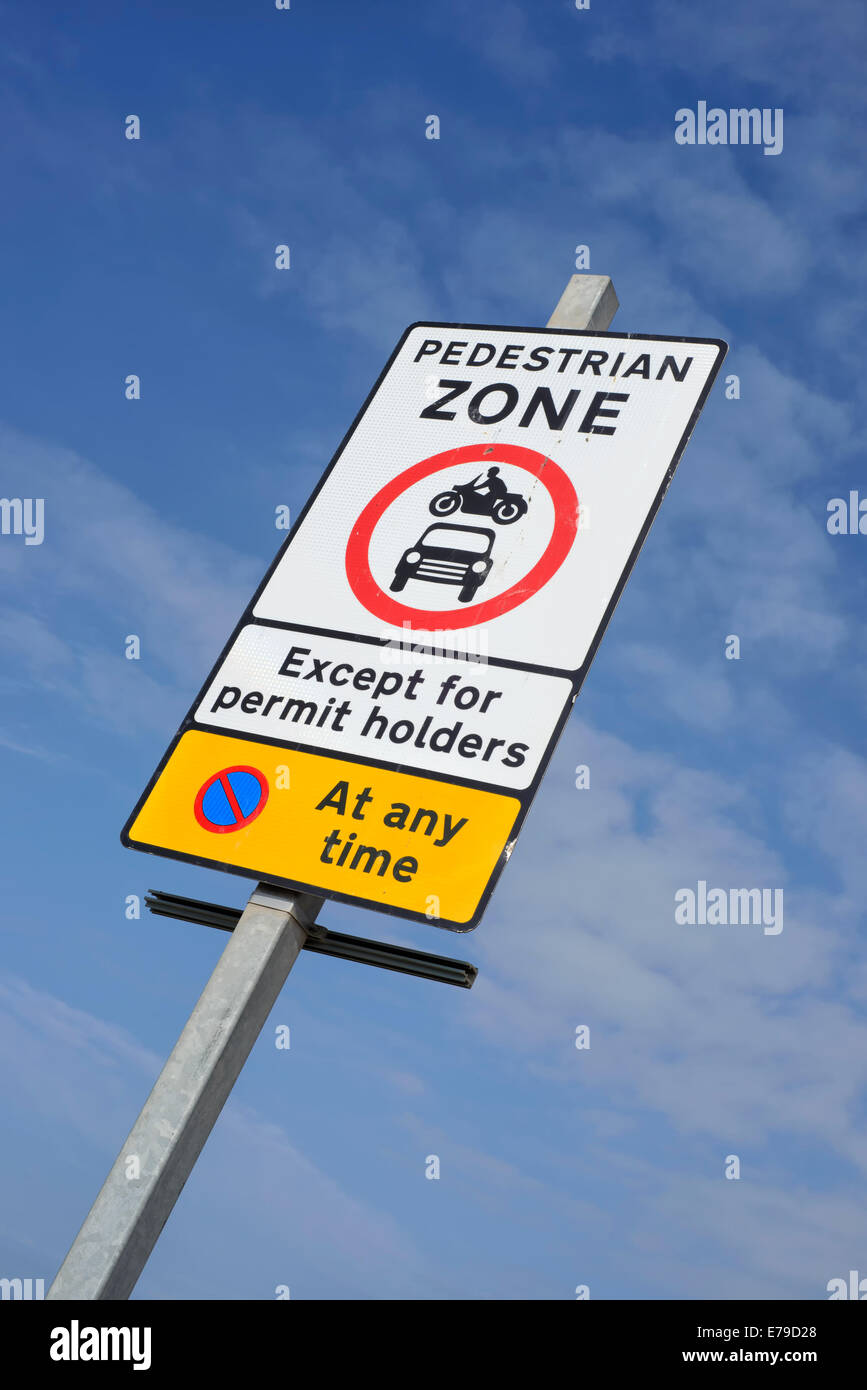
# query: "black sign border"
[[577, 677]]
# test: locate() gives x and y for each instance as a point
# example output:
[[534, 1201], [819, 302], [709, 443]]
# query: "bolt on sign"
[[382, 715]]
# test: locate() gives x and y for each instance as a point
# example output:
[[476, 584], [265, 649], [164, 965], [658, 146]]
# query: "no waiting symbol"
[[231, 799]]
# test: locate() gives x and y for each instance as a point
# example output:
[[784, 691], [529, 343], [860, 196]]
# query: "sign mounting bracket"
[[403, 959]]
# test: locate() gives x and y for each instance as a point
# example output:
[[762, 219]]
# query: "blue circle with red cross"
[[231, 799]]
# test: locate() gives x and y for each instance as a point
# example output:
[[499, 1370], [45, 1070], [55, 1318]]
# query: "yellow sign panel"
[[389, 839]]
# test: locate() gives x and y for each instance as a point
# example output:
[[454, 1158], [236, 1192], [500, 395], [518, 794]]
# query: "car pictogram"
[[448, 554]]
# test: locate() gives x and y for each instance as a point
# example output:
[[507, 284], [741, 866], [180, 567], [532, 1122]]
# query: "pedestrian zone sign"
[[383, 713]]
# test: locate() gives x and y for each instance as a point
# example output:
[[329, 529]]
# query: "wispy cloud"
[[288, 1222]]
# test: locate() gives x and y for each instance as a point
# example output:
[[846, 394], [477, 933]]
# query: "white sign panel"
[[581, 430], [423, 711], [383, 713]]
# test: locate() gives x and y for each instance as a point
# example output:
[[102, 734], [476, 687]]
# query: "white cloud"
[[111, 564], [285, 1220], [504, 36], [726, 1031]]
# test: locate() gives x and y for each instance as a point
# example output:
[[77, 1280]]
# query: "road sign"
[[380, 719]]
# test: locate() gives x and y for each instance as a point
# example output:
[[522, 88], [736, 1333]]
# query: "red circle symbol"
[[231, 799], [563, 497]]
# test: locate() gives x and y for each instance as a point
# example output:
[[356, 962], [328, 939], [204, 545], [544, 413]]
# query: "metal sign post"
[[112, 1247]]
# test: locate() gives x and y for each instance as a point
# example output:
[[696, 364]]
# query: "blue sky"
[[559, 1167]]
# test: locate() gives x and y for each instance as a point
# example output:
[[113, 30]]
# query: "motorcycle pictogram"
[[488, 498]]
